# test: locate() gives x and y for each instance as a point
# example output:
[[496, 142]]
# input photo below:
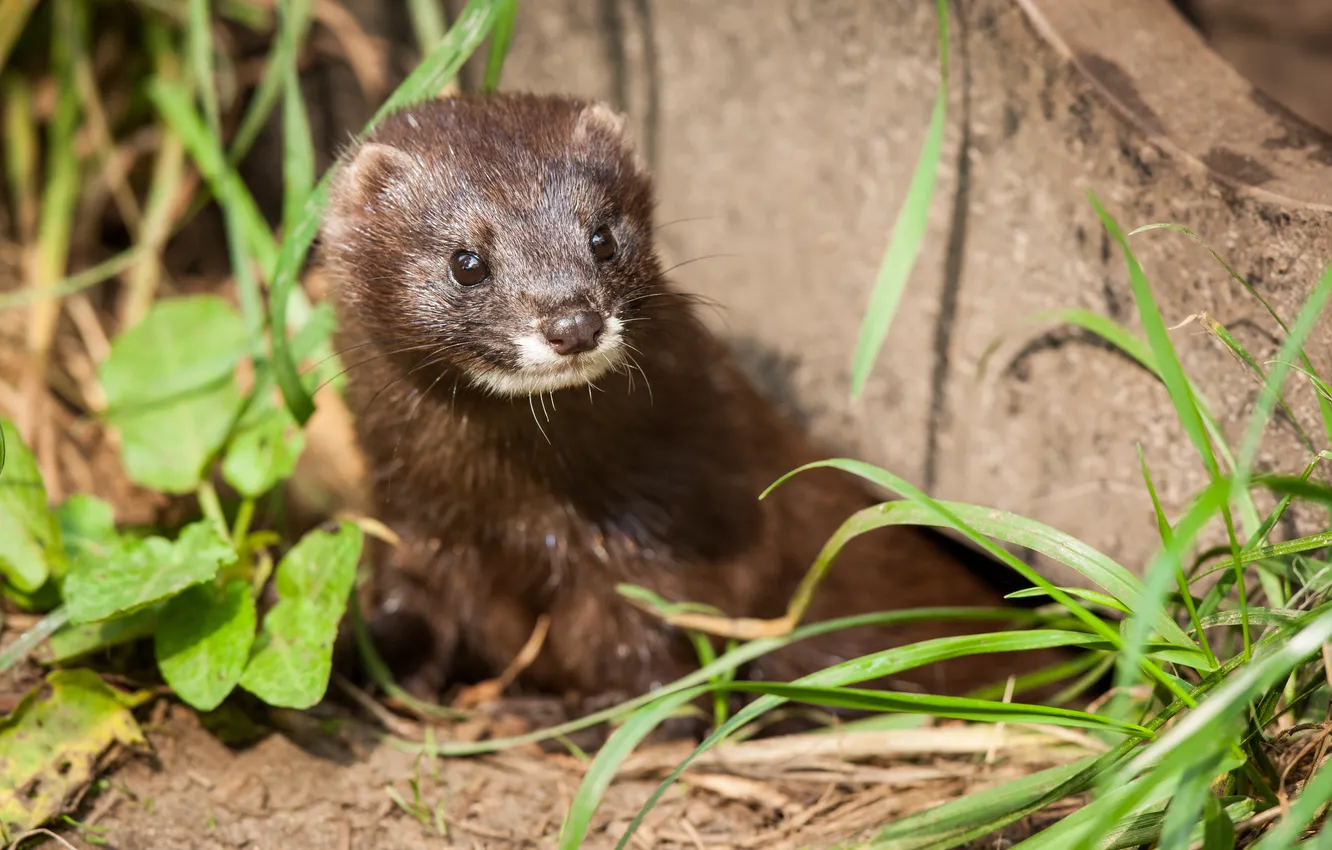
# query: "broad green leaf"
[[184, 345], [87, 527], [264, 453], [138, 572], [29, 534], [22, 559], [908, 228], [79, 640], [170, 389], [203, 640], [168, 447], [294, 651], [52, 744]]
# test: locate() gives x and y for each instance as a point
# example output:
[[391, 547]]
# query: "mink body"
[[566, 424]]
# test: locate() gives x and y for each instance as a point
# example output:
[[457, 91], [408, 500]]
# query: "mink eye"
[[602, 243], [467, 269]]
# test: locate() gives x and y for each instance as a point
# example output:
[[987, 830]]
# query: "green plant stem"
[[212, 508], [32, 638], [1181, 579], [244, 516]]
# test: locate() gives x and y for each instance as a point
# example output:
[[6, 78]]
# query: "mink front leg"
[[416, 640]]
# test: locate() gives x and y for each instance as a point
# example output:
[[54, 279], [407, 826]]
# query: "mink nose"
[[575, 333]]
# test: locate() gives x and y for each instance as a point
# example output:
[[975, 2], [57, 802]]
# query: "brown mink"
[[545, 418]]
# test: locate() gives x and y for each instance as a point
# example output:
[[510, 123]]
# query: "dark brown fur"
[[513, 507]]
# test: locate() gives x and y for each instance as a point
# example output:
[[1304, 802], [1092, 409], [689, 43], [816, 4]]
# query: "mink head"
[[504, 237]]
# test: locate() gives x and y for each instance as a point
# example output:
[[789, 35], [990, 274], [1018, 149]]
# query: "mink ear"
[[599, 120], [371, 178]]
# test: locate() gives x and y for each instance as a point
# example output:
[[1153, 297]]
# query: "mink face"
[[516, 256]]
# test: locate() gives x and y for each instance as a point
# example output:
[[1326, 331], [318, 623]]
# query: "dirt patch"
[[314, 787]]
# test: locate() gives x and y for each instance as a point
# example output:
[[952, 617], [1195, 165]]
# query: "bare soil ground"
[[307, 788]]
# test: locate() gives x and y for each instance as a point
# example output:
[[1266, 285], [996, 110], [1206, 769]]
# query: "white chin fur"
[[541, 370]]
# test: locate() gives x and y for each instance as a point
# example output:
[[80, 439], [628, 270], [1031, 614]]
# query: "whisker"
[[651, 399], [683, 220], [532, 407]]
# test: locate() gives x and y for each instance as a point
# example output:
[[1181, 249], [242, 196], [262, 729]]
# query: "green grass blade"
[[1097, 567], [60, 193], [1165, 565], [727, 663], [1162, 524], [902, 488], [956, 708], [252, 235], [13, 16], [1299, 332], [26, 643], [1185, 810], [1114, 811], [1227, 339], [1230, 699], [1163, 351], [200, 34], [298, 154], [500, 37], [294, 23], [21, 144], [1137, 348], [1093, 596], [873, 666], [908, 229], [1177, 385], [1324, 400], [427, 22], [173, 103], [935, 827], [1181, 580], [612, 754], [439, 66], [1014, 529]]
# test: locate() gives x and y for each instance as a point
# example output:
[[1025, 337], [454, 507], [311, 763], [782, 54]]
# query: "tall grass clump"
[[133, 117]]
